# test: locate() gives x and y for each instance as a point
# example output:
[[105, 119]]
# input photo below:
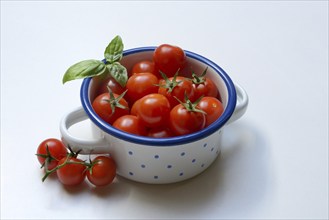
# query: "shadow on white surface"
[[237, 180], [115, 191], [234, 186]]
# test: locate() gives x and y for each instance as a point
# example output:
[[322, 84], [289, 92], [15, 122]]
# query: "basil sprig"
[[89, 68]]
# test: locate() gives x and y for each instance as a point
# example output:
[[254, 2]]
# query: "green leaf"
[[118, 72], [113, 51], [84, 69]]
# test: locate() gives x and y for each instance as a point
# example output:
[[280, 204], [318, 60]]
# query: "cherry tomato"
[[153, 110], [73, 172], [109, 109], [169, 59], [144, 66], [130, 124], [102, 171], [206, 88], [56, 151], [141, 84], [134, 108], [184, 121], [213, 107], [160, 132], [112, 84], [176, 87]]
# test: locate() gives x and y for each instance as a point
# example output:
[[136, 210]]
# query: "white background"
[[274, 162]]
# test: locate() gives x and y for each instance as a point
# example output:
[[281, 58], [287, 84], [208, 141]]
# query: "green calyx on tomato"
[[199, 79], [203, 85], [169, 85], [191, 106], [186, 118], [89, 68], [49, 152], [48, 158], [115, 102], [109, 106]]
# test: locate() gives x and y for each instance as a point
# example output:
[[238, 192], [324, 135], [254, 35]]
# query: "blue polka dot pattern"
[[180, 167]]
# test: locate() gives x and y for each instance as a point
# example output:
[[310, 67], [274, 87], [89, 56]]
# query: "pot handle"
[[241, 103], [98, 145]]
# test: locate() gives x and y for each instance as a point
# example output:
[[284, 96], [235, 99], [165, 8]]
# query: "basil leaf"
[[113, 51], [118, 72], [84, 69]]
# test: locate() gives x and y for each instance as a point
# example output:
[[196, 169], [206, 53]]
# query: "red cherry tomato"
[[72, 173], [144, 66], [206, 88], [102, 172], [213, 107], [110, 109], [176, 87], [56, 151], [130, 124], [112, 84], [169, 59], [134, 108], [183, 121], [153, 110], [141, 84], [160, 132]]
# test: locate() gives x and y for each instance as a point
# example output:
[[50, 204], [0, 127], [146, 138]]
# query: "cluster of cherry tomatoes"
[[157, 100], [71, 170]]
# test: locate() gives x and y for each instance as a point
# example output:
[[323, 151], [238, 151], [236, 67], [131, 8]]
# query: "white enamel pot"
[[157, 160]]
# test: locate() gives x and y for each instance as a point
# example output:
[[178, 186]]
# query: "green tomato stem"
[[48, 172]]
